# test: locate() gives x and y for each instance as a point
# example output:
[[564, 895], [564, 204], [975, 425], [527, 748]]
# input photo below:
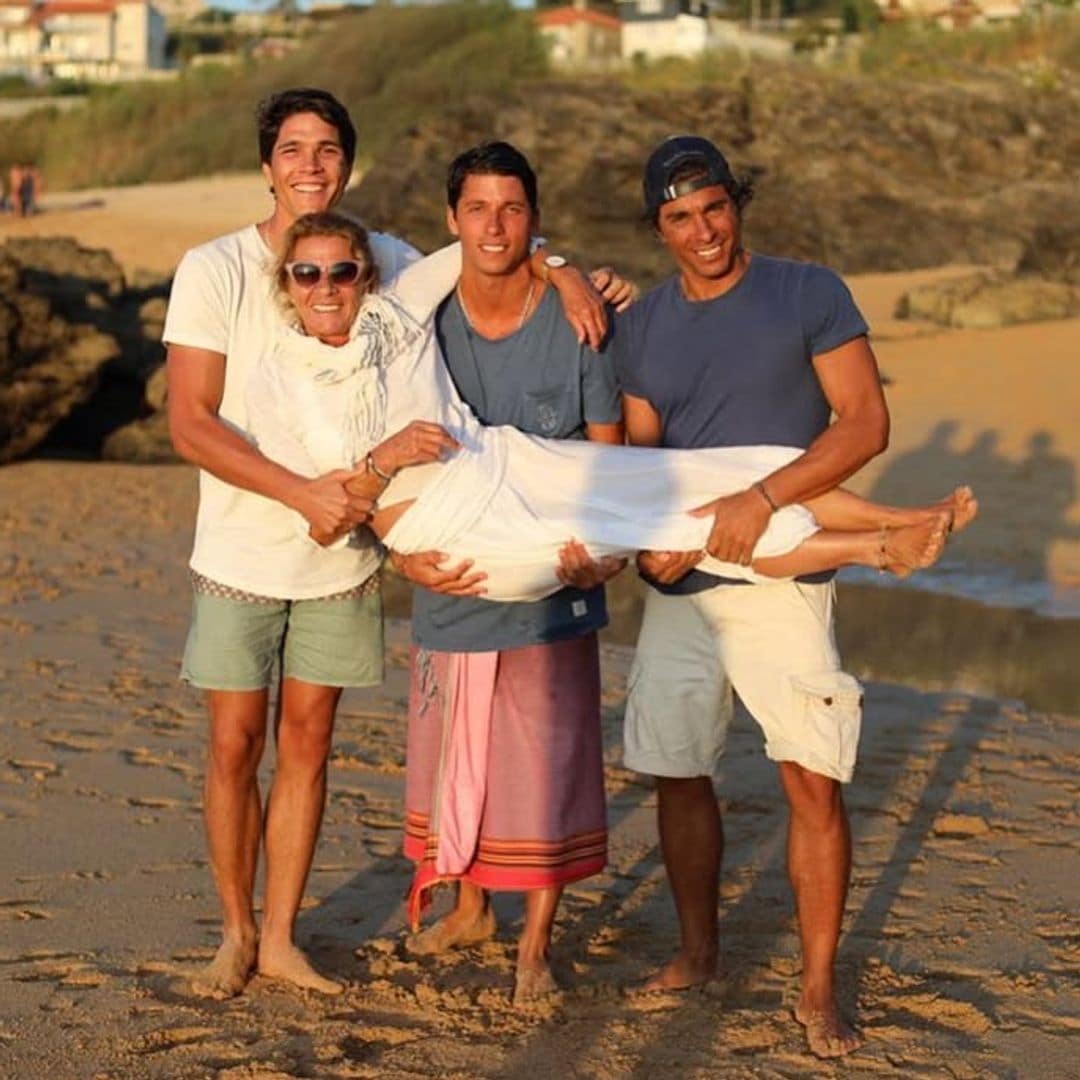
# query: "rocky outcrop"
[[77, 346], [862, 174], [989, 301]]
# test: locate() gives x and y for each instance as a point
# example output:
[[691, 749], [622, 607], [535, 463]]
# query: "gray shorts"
[[774, 643], [233, 644]]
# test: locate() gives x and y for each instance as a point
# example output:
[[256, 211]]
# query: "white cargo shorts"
[[774, 644]]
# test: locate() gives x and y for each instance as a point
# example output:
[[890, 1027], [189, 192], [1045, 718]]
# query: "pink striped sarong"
[[504, 783]]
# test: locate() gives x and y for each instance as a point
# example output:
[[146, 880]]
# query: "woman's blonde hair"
[[328, 223]]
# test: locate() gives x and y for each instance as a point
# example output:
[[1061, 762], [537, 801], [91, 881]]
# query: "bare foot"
[[291, 965], [680, 973], [914, 547], [826, 1033], [228, 973], [453, 931], [964, 507], [533, 983]]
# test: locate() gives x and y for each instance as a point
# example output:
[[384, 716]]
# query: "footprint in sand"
[[83, 744], [39, 770], [157, 1042], [154, 802], [22, 910]]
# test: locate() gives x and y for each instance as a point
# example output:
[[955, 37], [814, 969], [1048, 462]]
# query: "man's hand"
[[618, 291], [667, 567], [422, 568], [329, 508], [580, 570], [415, 444], [739, 521], [582, 305]]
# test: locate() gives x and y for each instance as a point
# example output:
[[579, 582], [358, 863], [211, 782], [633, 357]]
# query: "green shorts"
[[233, 644]]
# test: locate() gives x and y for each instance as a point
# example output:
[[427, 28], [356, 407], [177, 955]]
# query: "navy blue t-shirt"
[[541, 381], [737, 370]]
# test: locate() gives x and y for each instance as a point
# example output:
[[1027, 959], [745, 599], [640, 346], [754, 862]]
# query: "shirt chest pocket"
[[550, 410]]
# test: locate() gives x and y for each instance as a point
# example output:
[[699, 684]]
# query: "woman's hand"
[[618, 291], [416, 444]]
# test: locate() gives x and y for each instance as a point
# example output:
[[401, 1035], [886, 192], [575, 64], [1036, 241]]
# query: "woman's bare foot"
[[826, 1033], [913, 547], [960, 507], [965, 508], [453, 931], [290, 965], [228, 973], [532, 983], [680, 973]]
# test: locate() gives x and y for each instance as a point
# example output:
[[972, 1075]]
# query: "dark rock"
[[75, 346], [988, 301], [155, 389], [143, 442]]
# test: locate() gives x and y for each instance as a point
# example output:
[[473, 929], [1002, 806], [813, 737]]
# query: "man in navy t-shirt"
[[541, 824], [740, 349]]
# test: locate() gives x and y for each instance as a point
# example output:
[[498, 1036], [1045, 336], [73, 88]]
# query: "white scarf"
[[382, 330]]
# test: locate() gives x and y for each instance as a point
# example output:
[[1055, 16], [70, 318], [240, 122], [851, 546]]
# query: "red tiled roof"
[[75, 7], [567, 16]]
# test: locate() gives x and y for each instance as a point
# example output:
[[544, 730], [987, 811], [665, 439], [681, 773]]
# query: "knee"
[[304, 738], [685, 791], [815, 799], [235, 751]]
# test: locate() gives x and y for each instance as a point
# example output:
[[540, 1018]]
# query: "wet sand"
[[960, 955]]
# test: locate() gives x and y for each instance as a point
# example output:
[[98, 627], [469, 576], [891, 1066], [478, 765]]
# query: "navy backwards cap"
[[673, 152]]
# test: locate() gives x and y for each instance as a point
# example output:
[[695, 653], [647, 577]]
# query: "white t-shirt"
[[222, 300]]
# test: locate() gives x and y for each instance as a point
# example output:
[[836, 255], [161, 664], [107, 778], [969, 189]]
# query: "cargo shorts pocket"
[[828, 706]]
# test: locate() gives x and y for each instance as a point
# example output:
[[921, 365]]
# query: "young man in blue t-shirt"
[[528, 673], [740, 348]]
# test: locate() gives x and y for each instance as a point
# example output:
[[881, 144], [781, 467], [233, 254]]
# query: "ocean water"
[[994, 586]]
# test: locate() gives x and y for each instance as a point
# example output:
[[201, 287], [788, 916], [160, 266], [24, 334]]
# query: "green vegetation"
[[397, 67], [392, 67], [16, 86], [927, 51]]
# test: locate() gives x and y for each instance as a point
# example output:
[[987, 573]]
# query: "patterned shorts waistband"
[[208, 587]]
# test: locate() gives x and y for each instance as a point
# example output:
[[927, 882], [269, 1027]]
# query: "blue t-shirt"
[[541, 381], [737, 370]]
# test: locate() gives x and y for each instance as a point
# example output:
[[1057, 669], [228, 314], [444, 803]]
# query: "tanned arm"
[[196, 385], [852, 385]]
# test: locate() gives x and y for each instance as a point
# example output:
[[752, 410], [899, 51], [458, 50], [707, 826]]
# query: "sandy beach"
[[960, 957]]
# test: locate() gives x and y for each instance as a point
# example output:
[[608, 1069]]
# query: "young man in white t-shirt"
[[260, 592]]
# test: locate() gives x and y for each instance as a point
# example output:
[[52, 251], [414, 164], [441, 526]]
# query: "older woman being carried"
[[354, 362]]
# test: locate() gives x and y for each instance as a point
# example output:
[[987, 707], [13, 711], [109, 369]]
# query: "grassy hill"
[[391, 67], [922, 148]]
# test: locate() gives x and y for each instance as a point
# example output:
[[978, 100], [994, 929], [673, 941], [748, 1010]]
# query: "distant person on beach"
[[14, 189], [741, 348], [356, 363], [29, 190], [262, 595]]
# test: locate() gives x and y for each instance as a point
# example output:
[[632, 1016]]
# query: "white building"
[[579, 36], [653, 29], [102, 40]]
